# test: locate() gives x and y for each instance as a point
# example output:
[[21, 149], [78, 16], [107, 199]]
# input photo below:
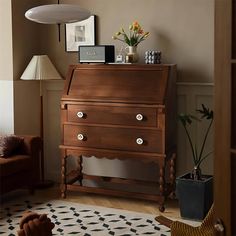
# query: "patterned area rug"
[[80, 219]]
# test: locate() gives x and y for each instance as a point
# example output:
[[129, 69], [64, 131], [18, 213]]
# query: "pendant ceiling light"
[[57, 14]]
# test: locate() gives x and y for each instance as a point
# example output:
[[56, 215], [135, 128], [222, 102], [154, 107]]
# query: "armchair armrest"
[[32, 144]]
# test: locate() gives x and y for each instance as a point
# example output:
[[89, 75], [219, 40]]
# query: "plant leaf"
[[205, 112], [187, 119]]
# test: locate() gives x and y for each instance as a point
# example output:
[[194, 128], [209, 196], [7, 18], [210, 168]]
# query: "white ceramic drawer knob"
[[80, 137], [139, 141], [139, 117], [80, 114]]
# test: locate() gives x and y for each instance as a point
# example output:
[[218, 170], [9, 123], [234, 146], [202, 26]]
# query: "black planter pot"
[[195, 196]]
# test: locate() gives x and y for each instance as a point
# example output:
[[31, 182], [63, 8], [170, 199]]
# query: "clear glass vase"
[[131, 55]]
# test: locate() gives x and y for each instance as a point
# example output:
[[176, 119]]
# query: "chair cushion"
[[15, 164], [9, 144]]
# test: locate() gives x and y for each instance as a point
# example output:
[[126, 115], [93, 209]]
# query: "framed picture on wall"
[[80, 33]]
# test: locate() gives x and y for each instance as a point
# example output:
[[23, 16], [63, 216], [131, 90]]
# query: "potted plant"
[[195, 190], [133, 38]]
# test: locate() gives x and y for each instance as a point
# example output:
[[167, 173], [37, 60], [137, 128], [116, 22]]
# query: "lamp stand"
[[41, 68], [42, 183]]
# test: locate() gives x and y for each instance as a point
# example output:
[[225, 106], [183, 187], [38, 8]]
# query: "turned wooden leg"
[[172, 175], [63, 175], [80, 169], [162, 188]]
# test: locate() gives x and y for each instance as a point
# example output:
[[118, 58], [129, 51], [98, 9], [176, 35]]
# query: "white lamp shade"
[[57, 14], [40, 68]]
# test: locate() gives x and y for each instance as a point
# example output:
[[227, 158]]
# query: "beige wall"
[[6, 69], [26, 36], [18, 42], [182, 29], [6, 64]]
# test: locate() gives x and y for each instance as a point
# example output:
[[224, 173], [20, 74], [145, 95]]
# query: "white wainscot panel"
[[52, 91], [190, 96]]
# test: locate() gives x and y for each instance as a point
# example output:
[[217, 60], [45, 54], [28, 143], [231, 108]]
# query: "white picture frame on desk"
[[80, 33]]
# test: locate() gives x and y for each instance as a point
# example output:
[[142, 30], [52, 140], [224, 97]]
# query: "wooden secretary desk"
[[123, 111]]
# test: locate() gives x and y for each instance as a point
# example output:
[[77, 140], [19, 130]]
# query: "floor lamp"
[[41, 68]]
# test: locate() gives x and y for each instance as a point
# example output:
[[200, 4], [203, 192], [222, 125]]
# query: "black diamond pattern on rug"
[[82, 220]]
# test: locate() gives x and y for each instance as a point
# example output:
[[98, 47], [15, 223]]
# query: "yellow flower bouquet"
[[135, 36]]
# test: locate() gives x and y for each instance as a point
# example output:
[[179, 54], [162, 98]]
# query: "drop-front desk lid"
[[133, 83]]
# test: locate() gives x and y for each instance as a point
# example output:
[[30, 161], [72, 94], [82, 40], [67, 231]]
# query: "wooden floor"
[[149, 207], [130, 204]]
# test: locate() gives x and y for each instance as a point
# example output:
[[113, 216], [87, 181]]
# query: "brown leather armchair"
[[21, 169]]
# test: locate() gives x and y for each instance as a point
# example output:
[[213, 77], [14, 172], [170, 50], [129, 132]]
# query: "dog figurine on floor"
[[33, 224]]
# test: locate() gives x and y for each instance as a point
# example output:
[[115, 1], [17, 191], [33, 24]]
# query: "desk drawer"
[[117, 115], [128, 139]]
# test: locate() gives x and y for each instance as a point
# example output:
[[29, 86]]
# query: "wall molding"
[[181, 84]]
